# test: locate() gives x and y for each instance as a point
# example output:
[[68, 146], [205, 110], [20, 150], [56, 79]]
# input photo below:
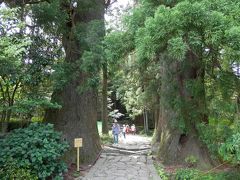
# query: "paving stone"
[[120, 178], [129, 162]]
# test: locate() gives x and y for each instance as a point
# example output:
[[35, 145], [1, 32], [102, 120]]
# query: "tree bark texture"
[[171, 143], [78, 116], [104, 101], [145, 120]]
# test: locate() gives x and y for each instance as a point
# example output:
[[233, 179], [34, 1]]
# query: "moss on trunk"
[[180, 110], [78, 116]]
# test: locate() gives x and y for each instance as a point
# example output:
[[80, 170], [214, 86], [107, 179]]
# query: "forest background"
[[176, 63]]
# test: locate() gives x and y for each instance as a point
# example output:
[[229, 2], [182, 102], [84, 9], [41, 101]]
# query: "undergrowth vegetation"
[[35, 151], [222, 138], [106, 139], [195, 174]]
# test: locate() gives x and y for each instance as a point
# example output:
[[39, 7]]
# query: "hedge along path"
[[126, 161]]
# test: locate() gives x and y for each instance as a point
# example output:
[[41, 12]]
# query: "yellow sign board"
[[77, 142]]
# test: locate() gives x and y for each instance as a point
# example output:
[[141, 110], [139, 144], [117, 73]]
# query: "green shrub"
[[160, 170], [222, 138], [213, 135], [37, 147], [186, 174], [10, 171], [37, 119], [191, 161], [228, 175], [106, 139], [194, 174], [230, 150]]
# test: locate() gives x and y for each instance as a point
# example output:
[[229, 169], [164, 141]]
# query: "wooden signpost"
[[78, 144]]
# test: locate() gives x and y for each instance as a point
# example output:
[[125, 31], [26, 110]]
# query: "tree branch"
[[1, 87], [109, 3], [8, 95], [14, 92]]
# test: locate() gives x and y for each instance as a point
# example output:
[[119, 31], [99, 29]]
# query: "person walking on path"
[[133, 129], [127, 129], [124, 131], [115, 131]]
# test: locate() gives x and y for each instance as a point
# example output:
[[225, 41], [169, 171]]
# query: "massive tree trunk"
[[78, 116], [104, 101], [182, 106]]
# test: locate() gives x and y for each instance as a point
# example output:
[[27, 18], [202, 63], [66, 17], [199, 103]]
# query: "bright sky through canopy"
[[115, 11]]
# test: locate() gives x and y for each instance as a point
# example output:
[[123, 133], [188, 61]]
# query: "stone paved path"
[[126, 161]]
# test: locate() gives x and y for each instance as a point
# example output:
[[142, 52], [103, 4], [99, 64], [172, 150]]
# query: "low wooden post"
[[78, 144]]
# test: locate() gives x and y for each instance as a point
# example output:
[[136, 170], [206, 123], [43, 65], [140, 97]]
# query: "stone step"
[[112, 150], [134, 148]]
